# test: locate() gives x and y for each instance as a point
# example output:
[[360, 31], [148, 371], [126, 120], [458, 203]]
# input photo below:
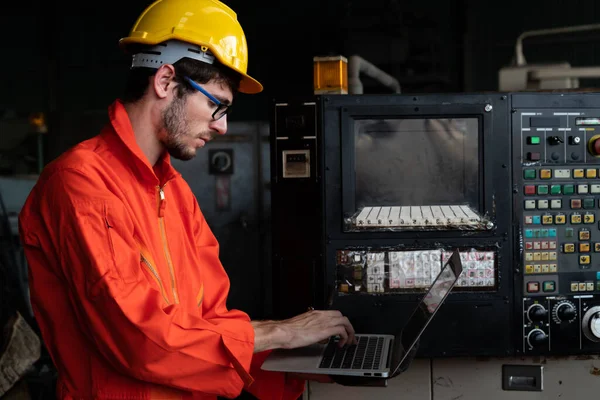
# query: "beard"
[[177, 130]]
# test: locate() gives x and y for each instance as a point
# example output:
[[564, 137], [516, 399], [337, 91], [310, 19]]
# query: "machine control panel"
[[557, 203]]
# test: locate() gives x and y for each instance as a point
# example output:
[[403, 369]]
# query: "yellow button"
[[576, 218], [537, 256], [589, 218], [591, 173], [545, 256], [574, 287], [560, 219], [597, 247], [529, 269], [584, 247], [547, 219], [584, 235], [578, 173], [545, 173], [584, 259], [569, 248], [582, 286]]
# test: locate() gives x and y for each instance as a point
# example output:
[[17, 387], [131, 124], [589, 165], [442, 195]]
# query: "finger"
[[343, 336]]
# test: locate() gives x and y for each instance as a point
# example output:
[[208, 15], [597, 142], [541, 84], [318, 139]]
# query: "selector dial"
[[537, 313], [536, 338], [564, 311], [590, 324]]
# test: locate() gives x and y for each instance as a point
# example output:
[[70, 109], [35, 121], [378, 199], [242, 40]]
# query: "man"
[[125, 278]]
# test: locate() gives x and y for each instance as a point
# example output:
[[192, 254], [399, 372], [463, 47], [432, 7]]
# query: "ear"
[[163, 80]]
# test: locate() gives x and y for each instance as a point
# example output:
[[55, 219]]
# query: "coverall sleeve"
[[90, 232], [267, 384]]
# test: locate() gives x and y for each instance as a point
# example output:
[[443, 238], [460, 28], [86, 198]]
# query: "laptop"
[[374, 355]]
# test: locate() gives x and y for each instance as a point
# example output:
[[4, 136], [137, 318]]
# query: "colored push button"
[[597, 250], [584, 235], [576, 219], [529, 174], [575, 204], [529, 269], [594, 189], [528, 220], [545, 173], [568, 189], [584, 247], [589, 203], [589, 218], [582, 189], [555, 189], [556, 204], [529, 233], [534, 156], [589, 286], [536, 220], [574, 286], [542, 189], [533, 287], [591, 173], [560, 219], [569, 248], [584, 260], [577, 173], [547, 219], [529, 190], [552, 232], [549, 286], [530, 204], [533, 140], [569, 232]]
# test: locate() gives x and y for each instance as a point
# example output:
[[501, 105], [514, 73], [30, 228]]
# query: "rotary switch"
[[590, 324], [537, 313], [564, 311], [536, 338]]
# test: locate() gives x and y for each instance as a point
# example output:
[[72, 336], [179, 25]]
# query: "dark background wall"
[[64, 59]]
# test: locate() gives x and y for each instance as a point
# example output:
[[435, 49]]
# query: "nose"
[[220, 125]]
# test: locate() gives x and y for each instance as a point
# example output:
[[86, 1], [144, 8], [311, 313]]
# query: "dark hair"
[[138, 80]]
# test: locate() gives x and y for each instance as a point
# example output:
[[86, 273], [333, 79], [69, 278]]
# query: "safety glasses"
[[222, 109]]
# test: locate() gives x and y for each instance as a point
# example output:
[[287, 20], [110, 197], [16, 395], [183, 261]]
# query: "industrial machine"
[[371, 192]]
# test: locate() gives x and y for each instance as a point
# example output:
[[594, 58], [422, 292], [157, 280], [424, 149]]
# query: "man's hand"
[[302, 330]]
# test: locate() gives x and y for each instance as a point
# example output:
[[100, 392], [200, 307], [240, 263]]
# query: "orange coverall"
[[126, 283]]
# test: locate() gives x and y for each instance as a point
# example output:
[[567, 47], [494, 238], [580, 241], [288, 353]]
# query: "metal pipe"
[[358, 65]]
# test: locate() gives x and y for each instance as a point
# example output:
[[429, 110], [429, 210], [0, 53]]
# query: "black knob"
[[555, 140], [537, 313], [537, 337], [566, 312]]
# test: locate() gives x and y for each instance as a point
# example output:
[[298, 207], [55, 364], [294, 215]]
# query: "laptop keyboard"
[[364, 355]]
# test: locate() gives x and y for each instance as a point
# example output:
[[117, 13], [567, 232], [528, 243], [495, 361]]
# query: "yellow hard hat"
[[209, 26]]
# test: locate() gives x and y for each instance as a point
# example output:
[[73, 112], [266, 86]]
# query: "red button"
[[528, 245], [530, 189], [533, 287]]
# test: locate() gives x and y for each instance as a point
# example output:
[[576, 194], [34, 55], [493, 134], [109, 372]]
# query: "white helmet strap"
[[170, 52]]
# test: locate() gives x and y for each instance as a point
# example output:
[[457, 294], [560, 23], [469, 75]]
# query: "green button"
[[555, 189], [549, 286], [589, 203], [568, 189], [529, 174], [533, 139], [542, 189], [569, 232]]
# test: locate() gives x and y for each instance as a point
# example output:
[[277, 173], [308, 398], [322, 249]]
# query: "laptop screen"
[[426, 309]]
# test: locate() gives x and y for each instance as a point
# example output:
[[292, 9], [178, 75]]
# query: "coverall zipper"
[[155, 273], [163, 235]]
